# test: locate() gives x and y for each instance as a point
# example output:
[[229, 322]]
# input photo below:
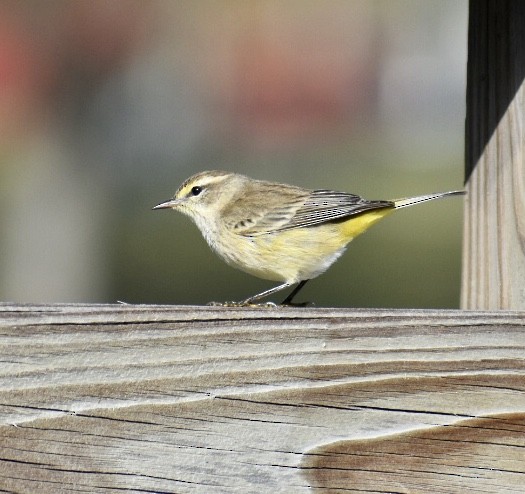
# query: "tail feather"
[[403, 203]]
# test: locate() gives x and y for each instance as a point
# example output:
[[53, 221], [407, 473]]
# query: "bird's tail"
[[403, 203]]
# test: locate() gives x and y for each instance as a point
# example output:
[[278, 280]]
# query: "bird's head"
[[203, 195]]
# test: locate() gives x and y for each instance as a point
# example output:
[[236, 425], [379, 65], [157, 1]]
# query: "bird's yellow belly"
[[296, 254]]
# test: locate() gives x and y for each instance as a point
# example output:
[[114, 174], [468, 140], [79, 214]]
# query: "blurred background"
[[106, 106]]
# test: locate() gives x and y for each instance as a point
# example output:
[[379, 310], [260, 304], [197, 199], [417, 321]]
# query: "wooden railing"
[[116, 398]]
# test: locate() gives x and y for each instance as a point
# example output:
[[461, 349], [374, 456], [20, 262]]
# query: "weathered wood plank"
[[494, 232], [201, 399]]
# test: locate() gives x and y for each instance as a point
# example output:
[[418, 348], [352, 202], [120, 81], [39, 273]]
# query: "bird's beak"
[[172, 203]]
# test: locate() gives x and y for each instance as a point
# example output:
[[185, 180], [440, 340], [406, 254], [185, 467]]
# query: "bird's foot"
[[242, 303]]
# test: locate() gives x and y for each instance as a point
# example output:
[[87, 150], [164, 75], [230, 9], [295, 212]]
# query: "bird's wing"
[[266, 211], [298, 209], [327, 205]]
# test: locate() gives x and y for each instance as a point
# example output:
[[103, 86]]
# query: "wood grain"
[[494, 231], [203, 399]]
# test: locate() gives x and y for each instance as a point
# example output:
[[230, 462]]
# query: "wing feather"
[[295, 208], [269, 209], [327, 205]]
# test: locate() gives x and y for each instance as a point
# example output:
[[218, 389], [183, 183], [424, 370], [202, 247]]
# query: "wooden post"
[[494, 234]]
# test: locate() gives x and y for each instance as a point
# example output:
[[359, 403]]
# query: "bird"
[[276, 231]]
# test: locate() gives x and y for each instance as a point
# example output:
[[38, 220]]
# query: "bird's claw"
[[242, 303]]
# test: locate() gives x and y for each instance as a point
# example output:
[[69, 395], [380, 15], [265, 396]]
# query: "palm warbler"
[[276, 231]]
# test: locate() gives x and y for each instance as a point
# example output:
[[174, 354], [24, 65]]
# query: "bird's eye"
[[195, 191]]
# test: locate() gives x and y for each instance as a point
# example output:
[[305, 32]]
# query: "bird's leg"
[[271, 291], [295, 291], [266, 293]]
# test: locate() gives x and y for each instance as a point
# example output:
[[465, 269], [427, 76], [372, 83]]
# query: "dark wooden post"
[[494, 235]]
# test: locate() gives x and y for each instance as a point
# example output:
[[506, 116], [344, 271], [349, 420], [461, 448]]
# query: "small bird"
[[276, 231]]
